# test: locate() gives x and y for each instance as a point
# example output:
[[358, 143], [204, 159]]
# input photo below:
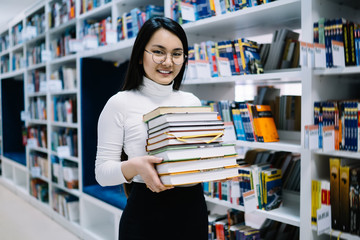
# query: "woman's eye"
[[177, 54], [158, 52]]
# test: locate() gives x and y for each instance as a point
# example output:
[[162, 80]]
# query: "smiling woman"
[[153, 79]]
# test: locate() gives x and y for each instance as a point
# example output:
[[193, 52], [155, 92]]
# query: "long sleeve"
[[110, 143]]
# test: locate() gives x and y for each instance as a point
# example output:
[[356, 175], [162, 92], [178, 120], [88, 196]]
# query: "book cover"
[[264, 124], [354, 201], [272, 188]]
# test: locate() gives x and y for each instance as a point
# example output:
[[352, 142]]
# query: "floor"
[[19, 220]]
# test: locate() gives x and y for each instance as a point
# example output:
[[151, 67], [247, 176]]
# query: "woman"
[[154, 76]]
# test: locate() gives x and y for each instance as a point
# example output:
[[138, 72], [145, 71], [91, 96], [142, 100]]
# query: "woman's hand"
[[145, 167]]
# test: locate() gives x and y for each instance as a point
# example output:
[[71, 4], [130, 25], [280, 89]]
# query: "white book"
[[175, 141], [200, 176], [195, 125], [186, 135], [188, 152], [181, 117], [193, 165]]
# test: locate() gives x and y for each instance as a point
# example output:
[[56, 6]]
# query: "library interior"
[[262, 117]]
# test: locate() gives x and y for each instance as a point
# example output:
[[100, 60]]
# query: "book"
[[272, 188], [264, 124], [335, 192], [174, 109], [173, 141], [200, 176], [179, 117], [194, 151], [184, 126], [167, 167], [183, 135]]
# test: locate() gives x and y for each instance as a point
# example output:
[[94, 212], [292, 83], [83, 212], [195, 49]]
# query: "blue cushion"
[[113, 195], [18, 157]]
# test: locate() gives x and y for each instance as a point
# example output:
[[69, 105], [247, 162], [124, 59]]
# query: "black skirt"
[[178, 213]]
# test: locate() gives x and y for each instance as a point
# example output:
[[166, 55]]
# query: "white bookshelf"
[[99, 220]]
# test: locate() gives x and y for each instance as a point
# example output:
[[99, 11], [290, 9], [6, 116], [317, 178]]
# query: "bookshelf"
[[98, 217]]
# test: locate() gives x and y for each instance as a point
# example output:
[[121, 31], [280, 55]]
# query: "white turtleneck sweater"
[[120, 126]]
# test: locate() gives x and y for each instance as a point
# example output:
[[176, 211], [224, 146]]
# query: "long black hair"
[[135, 72]]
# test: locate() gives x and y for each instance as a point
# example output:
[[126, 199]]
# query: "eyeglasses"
[[159, 57]]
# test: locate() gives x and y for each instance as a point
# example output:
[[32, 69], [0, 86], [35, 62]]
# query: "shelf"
[[7, 51], [35, 39], [117, 52], [17, 157], [350, 3], [37, 121], [62, 27], [17, 47], [97, 12], [65, 125], [60, 60], [282, 145], [336, 234], [344, 154], [64, 92], [36, 66], [38, 149], [74, 192], [288, 212], [338, 71], [264, 18], [14, 74], [273, 77], [71, 158], [37, 94]]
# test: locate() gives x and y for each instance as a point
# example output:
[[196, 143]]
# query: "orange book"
[[264, 124]]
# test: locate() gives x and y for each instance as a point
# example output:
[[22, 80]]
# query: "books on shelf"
[[191, 152]]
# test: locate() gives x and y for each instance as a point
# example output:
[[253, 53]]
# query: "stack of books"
[[189, 139]]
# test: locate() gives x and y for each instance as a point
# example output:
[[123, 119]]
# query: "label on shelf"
[[31, 143], [187, 11], [54, 85], [323, 219], [35, 172], [63, 151], [111, 36], [43, 86], [303, 54], [45, 55], [25, 116], [224, 67], [250, 201], [76, 45], [202, 69], [30, 87], [320, 55], [338, 55]]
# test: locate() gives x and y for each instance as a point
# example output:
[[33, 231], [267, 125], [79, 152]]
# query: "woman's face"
[[162, 41]]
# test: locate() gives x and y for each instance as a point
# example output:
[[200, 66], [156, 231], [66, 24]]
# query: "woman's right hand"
[[145, 167]]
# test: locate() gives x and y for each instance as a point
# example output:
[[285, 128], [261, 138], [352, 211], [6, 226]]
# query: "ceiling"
[[11, 8]]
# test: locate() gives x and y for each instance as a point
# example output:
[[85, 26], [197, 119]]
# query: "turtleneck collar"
[[152, 88]]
